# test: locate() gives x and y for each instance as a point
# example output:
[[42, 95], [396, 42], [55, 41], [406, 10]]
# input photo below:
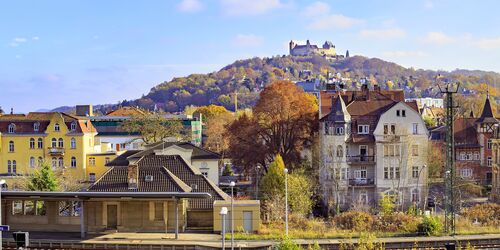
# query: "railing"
[[360, 158], [56, 151], [361, 182]]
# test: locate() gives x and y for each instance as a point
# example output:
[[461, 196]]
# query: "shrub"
[[304, 224], [386, 204], [354, 220], [487, 214], [288, 244], [430, 225], [397, 222]]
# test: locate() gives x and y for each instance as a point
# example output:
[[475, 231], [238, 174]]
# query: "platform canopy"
[[90, 195]]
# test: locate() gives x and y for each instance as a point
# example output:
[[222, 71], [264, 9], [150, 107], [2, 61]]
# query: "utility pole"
[[448, 89]]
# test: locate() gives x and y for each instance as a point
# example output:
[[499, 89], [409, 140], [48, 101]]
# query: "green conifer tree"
[[43, 179]]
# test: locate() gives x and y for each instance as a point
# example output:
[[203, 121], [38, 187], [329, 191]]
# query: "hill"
[[248, 77]]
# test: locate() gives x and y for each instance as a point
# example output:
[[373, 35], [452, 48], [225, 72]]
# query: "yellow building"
[[58, 138]]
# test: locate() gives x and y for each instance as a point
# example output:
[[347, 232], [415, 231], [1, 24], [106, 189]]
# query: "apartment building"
[[373, 143]]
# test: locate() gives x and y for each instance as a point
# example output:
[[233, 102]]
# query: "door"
[[247, 221], [363, 152], [112, 221]]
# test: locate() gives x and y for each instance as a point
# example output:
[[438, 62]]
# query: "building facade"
[[495, 185], [372, 144], [61, 140], [327, 50]]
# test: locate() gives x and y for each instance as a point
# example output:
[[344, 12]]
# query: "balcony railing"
[[360, 159], [361, 182], [56, 151]]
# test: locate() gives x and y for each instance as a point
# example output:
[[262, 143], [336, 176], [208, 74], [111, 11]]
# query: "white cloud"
[[334, 21], [247, 40], [17, 41], [439, 38], [190, 6], [249, 7], [35, 38], [488, 43], [383, 33], [317, 9], [399, 54]]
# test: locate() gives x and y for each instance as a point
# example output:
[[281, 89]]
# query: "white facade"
[[428, 102]]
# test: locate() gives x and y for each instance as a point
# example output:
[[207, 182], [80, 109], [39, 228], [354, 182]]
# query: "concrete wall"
[[240, 206]]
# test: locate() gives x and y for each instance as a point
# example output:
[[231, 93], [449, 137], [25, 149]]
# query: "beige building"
[[495, 189], [327, 50]]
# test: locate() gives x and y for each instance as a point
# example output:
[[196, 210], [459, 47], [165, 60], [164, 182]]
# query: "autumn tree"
[[211, 111], [153, 127], [283, 122]]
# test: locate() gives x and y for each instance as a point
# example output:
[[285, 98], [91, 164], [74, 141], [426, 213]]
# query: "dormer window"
[[12, 128], [363, 129], [148, 178], [56, 127], [36, 126], [73, 126]]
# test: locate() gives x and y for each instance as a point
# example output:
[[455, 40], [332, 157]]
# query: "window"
[[32, 143], [40, 208], [9, 166], [476, 156], [414, 195], [73, 162], [489, 161], [158, 210], [36, 126], [11, 128], [32, 162], [391, 172], [14, 166], [415, 128], [204, 173], [92, 177], [363, 197], [414, 150], [91, 161], [398, 113], [56, 127], [17, 207], [73, 143], [40, 143], [392, 150], [414, 172], [403, 113], [61, 143], [363, 129], [386, 129], [343, 174], [340, 151], [61, 162], [73, 126], [466, 172], [107, 160], [29, 208], [69, 208], [54, 143], [339, 130], [463, 156], [489, 144], [54, 163], [11, 146], [393, 129]]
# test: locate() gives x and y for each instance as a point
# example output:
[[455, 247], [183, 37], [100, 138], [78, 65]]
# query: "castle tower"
[[291, 46]]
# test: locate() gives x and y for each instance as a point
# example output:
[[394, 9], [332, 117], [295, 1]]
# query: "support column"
[[176, 218], [82, 220]]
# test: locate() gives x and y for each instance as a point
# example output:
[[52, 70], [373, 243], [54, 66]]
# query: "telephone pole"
[[448, 89]]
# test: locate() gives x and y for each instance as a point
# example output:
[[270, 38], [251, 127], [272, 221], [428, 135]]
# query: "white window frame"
[[57, 128], [11, 128], [415, 128], [73, 143], [73, 162], [36, 126], [73, 126], [363, 129]]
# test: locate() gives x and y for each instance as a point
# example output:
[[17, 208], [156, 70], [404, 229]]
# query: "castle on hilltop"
[[327, 50]]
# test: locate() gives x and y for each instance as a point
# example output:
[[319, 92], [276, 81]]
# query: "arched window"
[[73, 162], [54, 143], [11, 128], [54, 163], [11, 146], [340, 151], [32, 162], [73, 126], [73, 143], [56, 127], [61, 143], [9, 166], [40, 143], [32, 143], [36, 126], [14, 167], [61, 162]]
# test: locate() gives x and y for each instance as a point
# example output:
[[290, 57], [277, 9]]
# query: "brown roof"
[[465, 131], [24, 124], [351, 95], [121, 160], [169, 172], [126, 111]]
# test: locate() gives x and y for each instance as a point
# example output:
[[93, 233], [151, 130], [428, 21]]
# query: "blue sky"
[[55, 53]]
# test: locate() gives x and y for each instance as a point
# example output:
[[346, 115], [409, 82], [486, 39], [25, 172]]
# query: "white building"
[[372, 144], [427, 102]]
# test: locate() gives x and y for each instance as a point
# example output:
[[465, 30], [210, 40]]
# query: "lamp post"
[[232, 184], [2, 182], [257, 175], [286, 202], [223, 213]]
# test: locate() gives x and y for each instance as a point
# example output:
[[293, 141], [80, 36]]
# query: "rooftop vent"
[[148, 178], [194, 186]]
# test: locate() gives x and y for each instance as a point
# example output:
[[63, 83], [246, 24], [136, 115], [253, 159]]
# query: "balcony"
[[360, 159], [56, 151], [361, 182]]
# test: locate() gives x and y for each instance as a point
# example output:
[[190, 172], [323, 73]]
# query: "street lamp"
[[232, 184], [257, 175], [223, 213], [286, 202], [2, 182]]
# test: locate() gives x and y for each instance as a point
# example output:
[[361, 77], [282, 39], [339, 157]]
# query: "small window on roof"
[[73, 126], [36, 126], [148, 178], [12, 128]]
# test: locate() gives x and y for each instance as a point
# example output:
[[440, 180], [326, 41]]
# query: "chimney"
[[11, 111], [366, 91], [133, 176]]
